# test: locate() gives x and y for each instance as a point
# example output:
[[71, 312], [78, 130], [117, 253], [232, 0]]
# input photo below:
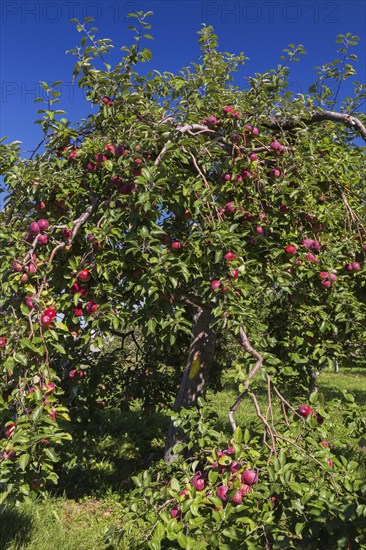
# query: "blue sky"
[[36, 34]]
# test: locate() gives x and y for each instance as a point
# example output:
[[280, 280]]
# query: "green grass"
[[91, 494], [59, 524]]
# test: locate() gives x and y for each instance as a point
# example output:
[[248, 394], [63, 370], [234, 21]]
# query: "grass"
[[91, 494], [58, 523]]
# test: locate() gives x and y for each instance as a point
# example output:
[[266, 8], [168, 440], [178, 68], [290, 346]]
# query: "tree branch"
[[243, 339], [319, 116]]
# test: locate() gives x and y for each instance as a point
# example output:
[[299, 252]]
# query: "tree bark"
[[313, 381], [197, 372]]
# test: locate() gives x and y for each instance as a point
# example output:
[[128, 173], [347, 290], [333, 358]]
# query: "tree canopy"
[[186, 205]]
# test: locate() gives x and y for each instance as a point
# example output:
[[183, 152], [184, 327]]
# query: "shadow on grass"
[[16, 528], [112, 448], [335, 392]]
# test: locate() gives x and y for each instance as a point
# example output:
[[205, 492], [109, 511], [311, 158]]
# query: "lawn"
[[92, 492]]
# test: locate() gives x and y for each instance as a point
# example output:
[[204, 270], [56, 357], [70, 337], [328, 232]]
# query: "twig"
[[243, 339], [160, 155], [284, 401], [301, 449], [266, 424]]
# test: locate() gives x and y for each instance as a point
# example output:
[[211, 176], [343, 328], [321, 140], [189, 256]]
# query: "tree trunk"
[[313, 381], [196, 375]]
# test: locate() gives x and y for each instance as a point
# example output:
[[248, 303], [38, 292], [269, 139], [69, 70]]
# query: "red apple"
[[2, 342], [43, 224], [91, 167], [198, 482], [326, 283], [99, 158], [324, 443], [84, 275], [176, 245], [40, 205], [324, 274], [42, 239], [34, 228], [9, 429], [46, 320], [31, 268], [75, 288], [234, 274], [125, 189], [229, 256], [175, 513], [246, 174], [253, 157], [66, 233], [275, 145], [215, 284], [304, 410], [245, 488], [290, 249], [109, 150], [73, 156], [249, 477], [78, 312], [91, 307], [29, 302], [275, 172], [310, 257], [106, 101], [17, 266], [230, 208], [234, 467], [50, 312], [221, 492], [238, 497], [120, 151], [356, 266]]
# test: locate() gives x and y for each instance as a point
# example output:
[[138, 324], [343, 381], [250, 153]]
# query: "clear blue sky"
[[36, 34]]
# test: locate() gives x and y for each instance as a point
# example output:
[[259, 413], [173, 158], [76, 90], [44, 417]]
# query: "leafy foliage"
[[181, 192], [305, 496]]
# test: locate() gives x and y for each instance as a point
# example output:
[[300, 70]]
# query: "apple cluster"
[[234, 482], [81, 287]]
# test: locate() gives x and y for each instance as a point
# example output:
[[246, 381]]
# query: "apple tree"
[[185, 209]]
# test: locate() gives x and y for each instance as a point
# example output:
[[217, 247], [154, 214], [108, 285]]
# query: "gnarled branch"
[[344, 118]]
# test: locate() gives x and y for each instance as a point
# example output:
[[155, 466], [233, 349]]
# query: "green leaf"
[[175, 484], [50, 453], [232, 533], [238, 435], [21, 358], [24, 461]]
